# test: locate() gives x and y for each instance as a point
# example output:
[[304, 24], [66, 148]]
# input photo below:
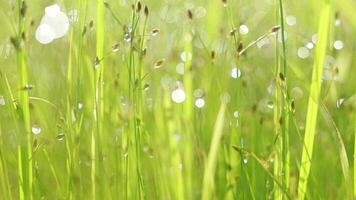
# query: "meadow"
[[177, 99]]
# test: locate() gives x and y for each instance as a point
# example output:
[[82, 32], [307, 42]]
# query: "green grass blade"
[[315, 87], [208, 182]]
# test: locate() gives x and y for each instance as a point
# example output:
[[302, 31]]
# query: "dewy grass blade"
[[313, 102]]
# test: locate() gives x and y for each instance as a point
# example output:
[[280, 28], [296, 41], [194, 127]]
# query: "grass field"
[[181, 100]]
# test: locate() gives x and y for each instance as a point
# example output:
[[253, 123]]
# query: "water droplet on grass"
[[245, 160], [235, 73], [44, 34], [198, 93], [36, 129], [337, 22], [54, 24], [178, 95], [291, 20], [309, 45], [243, 29], [180, 68], [338, 44], [199, 102], [303, 52]]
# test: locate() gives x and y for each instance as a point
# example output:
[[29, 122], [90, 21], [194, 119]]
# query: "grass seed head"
[[138, 6], [23, 9], [275, 29], [146, 11], [158, 64], [190, 14]]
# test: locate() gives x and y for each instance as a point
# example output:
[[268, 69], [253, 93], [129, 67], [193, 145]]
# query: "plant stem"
[[24, 148]]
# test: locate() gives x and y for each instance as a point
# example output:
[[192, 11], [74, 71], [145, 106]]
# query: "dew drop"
[[291, 20], [178, 95], [235, 73], [198, 93], [180, 68], [243, 29], [44, 34], [337, 22], [309, 45], [303, 52], [338, 44], [245, 160], [59, 24], [52, 10], [2, 101], [199, 102], [36, 129]]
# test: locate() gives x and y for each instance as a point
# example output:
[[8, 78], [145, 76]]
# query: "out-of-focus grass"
[[115, 133]]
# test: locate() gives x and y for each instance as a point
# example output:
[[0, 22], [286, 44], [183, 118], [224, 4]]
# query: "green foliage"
[[220, 99]]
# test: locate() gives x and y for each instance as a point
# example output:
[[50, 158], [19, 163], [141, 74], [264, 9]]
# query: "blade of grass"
[[209, 173], [315, 87], [24, 148], [98, 98]]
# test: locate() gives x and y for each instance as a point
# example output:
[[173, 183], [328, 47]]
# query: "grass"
[[25, 159], [314, 96], [267, 113]]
